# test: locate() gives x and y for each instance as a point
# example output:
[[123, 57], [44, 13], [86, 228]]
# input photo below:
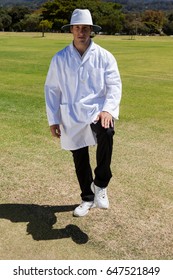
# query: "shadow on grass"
[[41, 220]]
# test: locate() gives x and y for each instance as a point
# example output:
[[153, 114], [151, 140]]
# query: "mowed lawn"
[[39, 189]]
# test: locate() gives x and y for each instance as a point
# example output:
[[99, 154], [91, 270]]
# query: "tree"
[[129, 24], [108, 15], [154, 20], [17, 14], [58, 12], [110, 18], [45, 25], [31, 22], [5, 20], [133, 25], [168, 25]]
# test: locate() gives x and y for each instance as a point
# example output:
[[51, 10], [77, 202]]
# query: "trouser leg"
[[83, 172], [102, 171]]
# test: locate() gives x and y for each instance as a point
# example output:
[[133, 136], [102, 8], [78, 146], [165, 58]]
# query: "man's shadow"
[[41, 220]]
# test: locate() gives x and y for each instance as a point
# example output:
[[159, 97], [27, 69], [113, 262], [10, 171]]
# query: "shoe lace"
[[102, 193]]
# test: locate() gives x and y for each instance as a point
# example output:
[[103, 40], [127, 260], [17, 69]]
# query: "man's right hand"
[[55, 130]]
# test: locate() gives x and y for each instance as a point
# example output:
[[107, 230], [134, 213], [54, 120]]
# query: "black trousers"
[[103, 159]]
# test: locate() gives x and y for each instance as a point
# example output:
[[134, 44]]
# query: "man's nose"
[[81, 30]]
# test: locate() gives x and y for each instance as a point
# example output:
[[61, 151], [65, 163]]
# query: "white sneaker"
[[101, 198], [83, 208]]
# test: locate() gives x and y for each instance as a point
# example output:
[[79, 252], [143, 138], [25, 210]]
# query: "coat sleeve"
[[52, 94], [113, 87]]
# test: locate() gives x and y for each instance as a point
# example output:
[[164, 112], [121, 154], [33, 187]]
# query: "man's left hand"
[[106, 119]]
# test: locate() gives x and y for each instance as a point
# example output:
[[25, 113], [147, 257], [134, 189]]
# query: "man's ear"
[[71, 27]]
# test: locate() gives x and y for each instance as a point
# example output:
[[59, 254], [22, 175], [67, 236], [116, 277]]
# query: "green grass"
[[35, 171]]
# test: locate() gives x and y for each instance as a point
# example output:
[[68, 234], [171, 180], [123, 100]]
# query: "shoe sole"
[[76, 215]]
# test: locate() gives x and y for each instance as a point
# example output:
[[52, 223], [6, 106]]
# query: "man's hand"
[[106, 119], [55, 130]]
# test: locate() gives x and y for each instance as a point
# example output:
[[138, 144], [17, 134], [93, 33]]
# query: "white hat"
[[81, 17]]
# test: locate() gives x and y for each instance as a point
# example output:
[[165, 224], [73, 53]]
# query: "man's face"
[[81, 33]]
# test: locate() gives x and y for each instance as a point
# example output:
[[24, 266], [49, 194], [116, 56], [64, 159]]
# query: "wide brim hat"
[[81, 17]]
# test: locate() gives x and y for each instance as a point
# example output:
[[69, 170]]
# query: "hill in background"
[[30, 3], [128, 5], [142, 5]]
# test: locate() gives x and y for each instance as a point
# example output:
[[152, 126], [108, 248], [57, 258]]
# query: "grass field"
[[38, 183]]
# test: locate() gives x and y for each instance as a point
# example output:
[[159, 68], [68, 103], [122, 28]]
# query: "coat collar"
[[86, 55]]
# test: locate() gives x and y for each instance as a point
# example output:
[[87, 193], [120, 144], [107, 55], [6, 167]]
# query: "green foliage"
[[58, 12], [108, 14], [168, 25], [17, 14], [31, 22], [45, 25], [5, 20], [154, 20]]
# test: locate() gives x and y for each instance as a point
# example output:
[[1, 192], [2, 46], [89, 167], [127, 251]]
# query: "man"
[[83, 93]]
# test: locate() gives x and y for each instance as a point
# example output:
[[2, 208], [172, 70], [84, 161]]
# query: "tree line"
[[52, 15]]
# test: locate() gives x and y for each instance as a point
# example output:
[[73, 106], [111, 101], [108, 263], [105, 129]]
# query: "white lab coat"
[[77, 89]]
